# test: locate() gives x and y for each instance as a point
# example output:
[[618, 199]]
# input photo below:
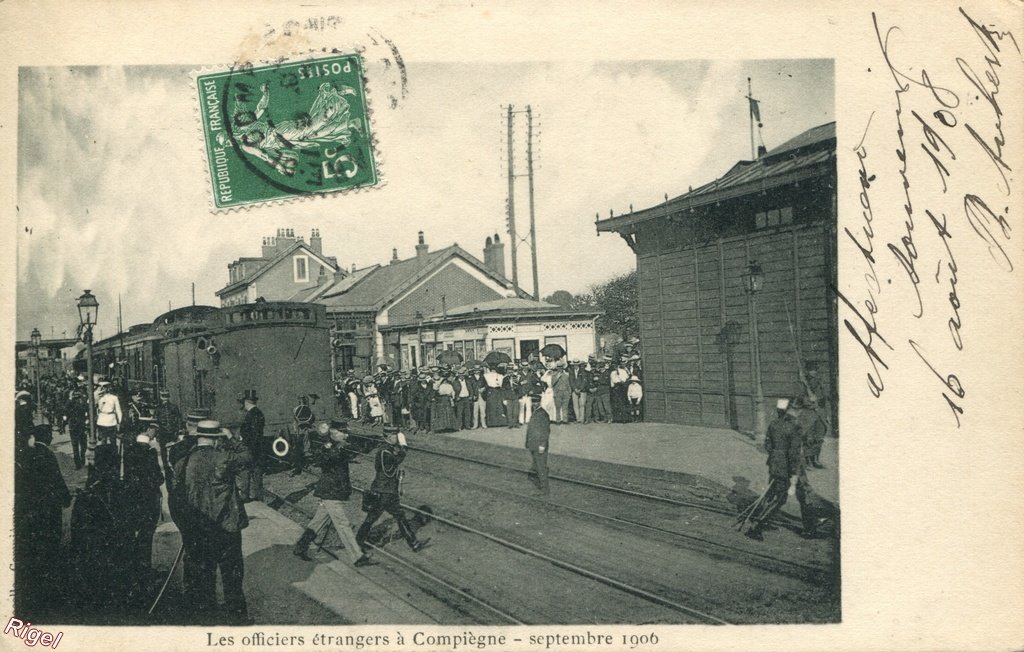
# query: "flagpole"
[[750, 111]]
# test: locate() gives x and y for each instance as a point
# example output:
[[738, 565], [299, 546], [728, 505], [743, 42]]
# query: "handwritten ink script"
[[937, 146]]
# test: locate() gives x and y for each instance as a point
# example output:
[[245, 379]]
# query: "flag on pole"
[[755, 109]]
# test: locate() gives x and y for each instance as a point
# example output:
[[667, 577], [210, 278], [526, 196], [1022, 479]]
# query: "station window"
[[773, 217]]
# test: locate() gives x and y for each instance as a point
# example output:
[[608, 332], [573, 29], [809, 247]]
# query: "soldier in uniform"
[[252, 435], [78, 425], [538, 434], [168, 424], [333, 489], [813, 421], [385, 492], [784, 444], [211, 517]]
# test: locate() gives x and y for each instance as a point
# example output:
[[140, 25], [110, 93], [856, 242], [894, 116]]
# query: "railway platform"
[[714, 456], [280, 588]]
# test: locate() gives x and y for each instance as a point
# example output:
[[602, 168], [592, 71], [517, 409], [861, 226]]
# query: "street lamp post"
[[37, 339], [753, 279], [88, 309]]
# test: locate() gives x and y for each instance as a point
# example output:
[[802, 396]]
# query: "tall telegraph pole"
[[513, 237], [512, 200]]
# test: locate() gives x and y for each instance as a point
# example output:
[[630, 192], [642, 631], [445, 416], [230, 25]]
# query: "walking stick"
[[177, 558]]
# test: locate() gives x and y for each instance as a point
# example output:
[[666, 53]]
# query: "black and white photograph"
[[331, 337]]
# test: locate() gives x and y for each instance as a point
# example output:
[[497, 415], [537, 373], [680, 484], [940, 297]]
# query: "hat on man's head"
[[21, 394], [782, 404], [391, 430], [249, 395], [797, 403], [367, 380], [142, 438], [210, 428], [165, 394]]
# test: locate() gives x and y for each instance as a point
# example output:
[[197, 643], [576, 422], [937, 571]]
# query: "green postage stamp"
[[281, 130]]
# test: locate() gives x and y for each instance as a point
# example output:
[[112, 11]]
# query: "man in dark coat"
[[211, 516], [333, 489], [579, 383], [784, 445], [252, 435], [386, 491], [99, 534], [142, 480], [77, 413], [24, 419], [40, 500], [465, 397], [538, 435], [168, 424]]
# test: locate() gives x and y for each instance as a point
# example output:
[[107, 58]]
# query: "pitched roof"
[[298, 244], [809, 154], [383, 283], [332, 287]]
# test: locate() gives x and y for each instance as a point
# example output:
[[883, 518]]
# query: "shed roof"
[[808, 154]]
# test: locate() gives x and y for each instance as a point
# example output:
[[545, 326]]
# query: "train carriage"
[[206, 357], [279, 349]]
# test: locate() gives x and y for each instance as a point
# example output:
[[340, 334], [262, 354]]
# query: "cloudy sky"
[[112, 189]]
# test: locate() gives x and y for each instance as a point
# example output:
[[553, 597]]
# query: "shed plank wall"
[[687, 295]]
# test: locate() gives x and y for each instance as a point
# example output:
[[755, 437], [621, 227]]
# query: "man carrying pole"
[[785, 460]]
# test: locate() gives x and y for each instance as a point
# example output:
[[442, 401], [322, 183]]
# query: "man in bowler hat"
[[252, 434]]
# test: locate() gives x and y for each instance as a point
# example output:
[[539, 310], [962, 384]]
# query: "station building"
[[516, 326], [771, 222]]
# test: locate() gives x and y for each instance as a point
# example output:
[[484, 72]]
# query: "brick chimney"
[[269, 246], [494, 255], [421, 246], [394, 255], [315, 244]]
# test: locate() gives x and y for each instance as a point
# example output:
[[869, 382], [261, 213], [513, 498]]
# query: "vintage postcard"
[[541, 326]]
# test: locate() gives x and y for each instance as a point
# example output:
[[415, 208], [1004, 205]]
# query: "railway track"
[[817, 574], [689, 613]]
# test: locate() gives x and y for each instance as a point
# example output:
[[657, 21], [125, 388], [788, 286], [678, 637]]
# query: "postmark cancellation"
[[287, 129]]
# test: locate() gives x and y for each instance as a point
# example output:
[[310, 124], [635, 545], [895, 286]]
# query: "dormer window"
[[300, 267]]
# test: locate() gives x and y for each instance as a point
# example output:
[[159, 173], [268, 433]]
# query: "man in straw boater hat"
[[211, 516], [333, 489]]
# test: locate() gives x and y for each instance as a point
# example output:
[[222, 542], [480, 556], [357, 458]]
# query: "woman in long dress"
[[442, 409], [495, 397]]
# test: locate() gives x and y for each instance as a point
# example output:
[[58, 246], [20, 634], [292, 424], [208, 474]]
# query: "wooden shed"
[[777, 214]]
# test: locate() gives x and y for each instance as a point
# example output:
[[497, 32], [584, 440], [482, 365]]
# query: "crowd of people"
[[113, 518], [209, 474], [447, 397]]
